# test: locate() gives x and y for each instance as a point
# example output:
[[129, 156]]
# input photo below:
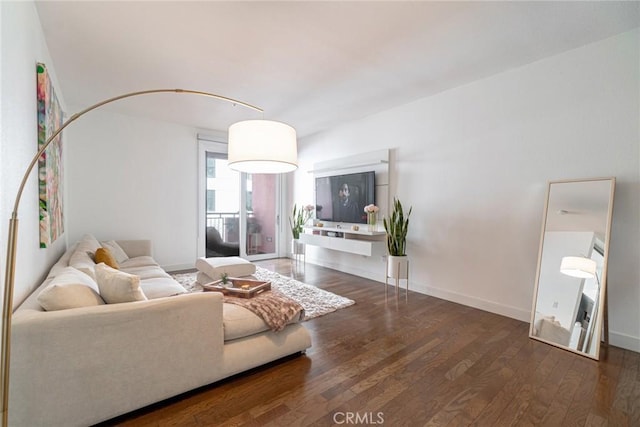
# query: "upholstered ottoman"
[[211, 269]]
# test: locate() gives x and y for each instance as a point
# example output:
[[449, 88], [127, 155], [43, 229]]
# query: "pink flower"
[[371, 208]]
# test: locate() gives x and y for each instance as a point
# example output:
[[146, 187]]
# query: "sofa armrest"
[[85, 365], [134, 248]]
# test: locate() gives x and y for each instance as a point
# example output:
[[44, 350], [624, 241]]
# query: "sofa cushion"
[[63, 262], [139, 261], [117, 286], [82, 257], [232, 266], [160, 287], [240, 322], [151, 272], [116, 250], [104, 255], [83, 261], [71, 288], [88, 243]]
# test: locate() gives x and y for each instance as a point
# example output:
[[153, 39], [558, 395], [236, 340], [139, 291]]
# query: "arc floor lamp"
[[255, 146]]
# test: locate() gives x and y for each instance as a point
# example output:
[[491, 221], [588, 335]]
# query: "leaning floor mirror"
[[569, 305]]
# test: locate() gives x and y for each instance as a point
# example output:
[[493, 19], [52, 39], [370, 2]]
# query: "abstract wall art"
[[50, 118]]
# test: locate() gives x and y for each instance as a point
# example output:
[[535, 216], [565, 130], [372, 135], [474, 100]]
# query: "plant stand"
[[398, 269], [298, 250]]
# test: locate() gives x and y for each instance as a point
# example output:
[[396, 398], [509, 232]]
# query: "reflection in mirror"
[[569, 305]]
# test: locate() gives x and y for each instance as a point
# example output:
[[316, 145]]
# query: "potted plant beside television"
[[297, 220], [396, 227]]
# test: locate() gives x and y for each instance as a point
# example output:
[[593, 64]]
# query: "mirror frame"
[[602, 314]]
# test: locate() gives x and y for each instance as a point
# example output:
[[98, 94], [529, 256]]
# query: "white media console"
[[345, 239]]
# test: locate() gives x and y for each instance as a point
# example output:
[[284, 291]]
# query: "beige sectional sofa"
[[83, 365]]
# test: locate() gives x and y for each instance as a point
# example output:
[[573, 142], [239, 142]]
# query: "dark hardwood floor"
[[425, 362]]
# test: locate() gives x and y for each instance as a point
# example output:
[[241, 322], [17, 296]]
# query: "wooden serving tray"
[[238, 287]]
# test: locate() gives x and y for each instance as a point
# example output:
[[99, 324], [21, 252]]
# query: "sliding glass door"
[[260, 217], [222, 211], [238, 211]]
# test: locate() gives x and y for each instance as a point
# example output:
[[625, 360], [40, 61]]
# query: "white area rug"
[[316, 302]]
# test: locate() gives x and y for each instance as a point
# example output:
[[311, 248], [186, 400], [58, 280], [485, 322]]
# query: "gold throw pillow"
[[104, 255]]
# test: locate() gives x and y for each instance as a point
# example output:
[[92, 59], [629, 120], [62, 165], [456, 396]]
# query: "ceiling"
[[313, 65]]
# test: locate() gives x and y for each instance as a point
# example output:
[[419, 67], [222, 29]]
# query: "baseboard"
[[618, 339], [481, 304]]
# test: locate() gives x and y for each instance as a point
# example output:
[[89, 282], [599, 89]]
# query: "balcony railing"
[[227, 224]]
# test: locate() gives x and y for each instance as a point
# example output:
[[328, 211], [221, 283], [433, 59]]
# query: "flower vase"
[[372, 221]]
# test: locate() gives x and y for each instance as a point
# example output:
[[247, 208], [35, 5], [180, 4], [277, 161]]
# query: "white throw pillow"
[[117, 286], [83, 261], [116, 250], [160, 287], [70, 288], [82, 257], [88, 243]]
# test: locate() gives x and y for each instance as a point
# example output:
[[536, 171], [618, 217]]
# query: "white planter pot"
[[398, 266], [297, 247]]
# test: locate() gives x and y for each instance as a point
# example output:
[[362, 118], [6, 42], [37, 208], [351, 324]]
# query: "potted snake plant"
[[396, 227], [297, 220]]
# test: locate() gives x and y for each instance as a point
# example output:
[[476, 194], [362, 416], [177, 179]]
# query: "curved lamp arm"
[[7, 309]]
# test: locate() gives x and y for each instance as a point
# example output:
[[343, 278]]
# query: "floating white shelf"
[[361, 242]]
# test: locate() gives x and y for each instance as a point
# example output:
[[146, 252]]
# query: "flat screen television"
[[342, 198]]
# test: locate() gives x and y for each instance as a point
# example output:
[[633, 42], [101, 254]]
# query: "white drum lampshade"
[[262, 146], [574, 266]]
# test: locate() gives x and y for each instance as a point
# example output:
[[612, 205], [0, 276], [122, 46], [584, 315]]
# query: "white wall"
[[23, 45], [474, 163], [134, 178]]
